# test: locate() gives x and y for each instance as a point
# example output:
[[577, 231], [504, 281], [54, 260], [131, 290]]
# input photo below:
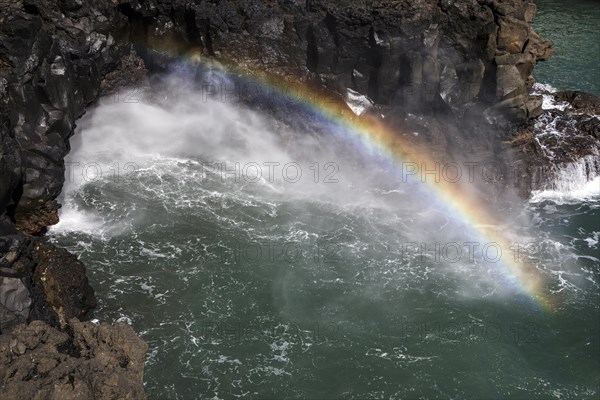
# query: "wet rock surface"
[[51, 281], [579, 102], [567, 133]]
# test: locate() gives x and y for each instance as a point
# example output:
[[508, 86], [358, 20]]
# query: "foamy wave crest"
[[74, 220], [547, 91], [573, 182]]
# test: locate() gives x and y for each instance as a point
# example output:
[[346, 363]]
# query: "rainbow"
[[372, 133]]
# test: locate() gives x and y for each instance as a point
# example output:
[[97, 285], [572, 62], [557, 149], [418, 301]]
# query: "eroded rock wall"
[[54, 60]]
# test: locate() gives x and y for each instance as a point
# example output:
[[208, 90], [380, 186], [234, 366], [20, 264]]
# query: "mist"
[[303, 157], [187, 146]]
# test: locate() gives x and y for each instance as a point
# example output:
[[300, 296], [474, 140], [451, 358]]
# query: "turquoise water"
[[574, 27]]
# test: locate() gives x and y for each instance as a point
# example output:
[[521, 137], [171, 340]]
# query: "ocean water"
[[334, 278], [273, 258], [573, 27]]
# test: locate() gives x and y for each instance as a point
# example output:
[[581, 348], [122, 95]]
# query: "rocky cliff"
[[452, 58], [414, 53], [55, 59], [58, 57], [87, 362]]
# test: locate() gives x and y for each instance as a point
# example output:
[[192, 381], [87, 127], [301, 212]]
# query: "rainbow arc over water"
[[375, 135]]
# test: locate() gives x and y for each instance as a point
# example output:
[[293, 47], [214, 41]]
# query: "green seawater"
[[352, 315], [324, 288], [574, 28], [342, 281]]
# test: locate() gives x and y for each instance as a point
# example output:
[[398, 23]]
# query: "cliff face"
[[397, 52], [54, 60], [57, 57]]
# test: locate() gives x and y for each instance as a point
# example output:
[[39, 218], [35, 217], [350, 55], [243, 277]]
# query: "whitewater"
[[269, 258]]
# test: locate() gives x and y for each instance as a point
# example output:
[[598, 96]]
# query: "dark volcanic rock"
[[79, 361], [413, 52], [54, 278], [86, 361], [55, 58], [32, 218], [580, 102], [59, 286], [568, 135], [561, 137]]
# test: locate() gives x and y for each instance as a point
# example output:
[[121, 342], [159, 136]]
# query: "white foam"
[[125, 319], [585, 192], [593, 240], [74, 220], [538, 87], [549, 103]]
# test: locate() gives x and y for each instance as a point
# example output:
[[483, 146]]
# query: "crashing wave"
[[566, 139], [549, 102], [575, 181]]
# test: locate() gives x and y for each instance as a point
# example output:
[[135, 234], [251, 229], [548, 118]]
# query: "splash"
[[373, 134], [404, 157]]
